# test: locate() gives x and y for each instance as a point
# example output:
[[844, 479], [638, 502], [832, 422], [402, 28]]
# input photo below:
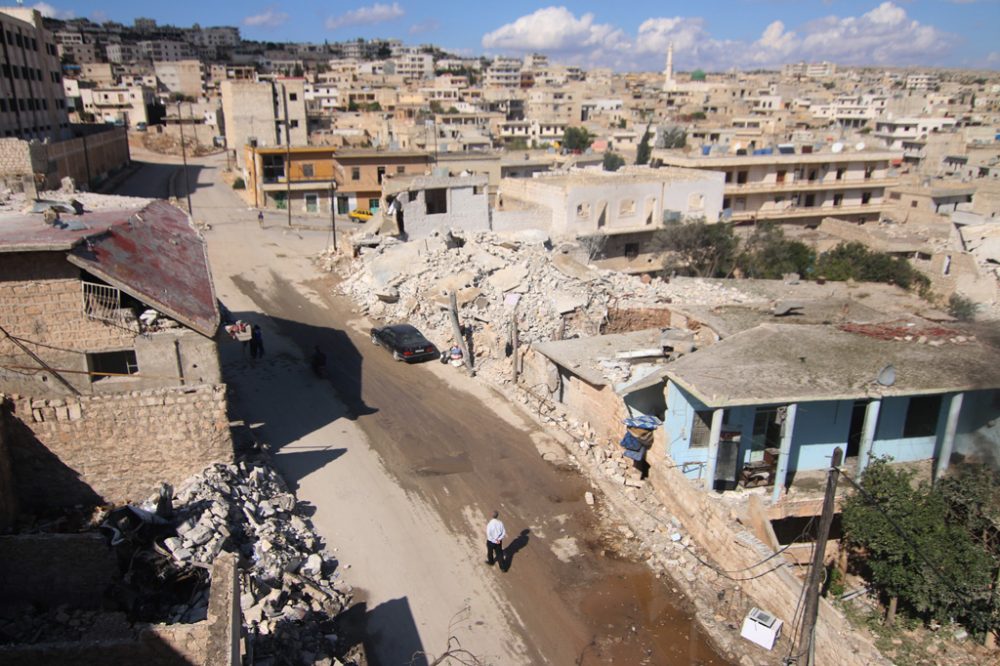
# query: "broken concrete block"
[[570, 267], [588, 497], [508, 278], [313, 567]]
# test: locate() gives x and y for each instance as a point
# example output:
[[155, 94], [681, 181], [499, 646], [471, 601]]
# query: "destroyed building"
[[108, 362]]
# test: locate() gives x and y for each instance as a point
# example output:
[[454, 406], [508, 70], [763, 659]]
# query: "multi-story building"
[[322, 175], [184, 77], [255, 113], [32, 100], [504, 73], [163, 50], [121, 105], [922, 81], [810, 70], [414, 66], [894, 132], [121, 53], [799, 187]]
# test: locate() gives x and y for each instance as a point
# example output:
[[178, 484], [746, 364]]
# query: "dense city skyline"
[[745, 34]]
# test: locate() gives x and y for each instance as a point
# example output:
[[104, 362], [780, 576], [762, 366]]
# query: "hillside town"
[[285, 326]]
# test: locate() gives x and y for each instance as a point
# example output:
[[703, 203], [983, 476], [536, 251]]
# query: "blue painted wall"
[[678, 421], [889, 440], [979, 425], [820, 427]]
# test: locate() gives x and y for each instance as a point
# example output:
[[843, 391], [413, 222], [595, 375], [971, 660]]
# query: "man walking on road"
[[495, 534]]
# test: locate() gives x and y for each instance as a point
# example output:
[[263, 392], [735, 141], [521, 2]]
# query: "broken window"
[[922, 416], [838, 199], [112, 364], [273, 167], [436, 201], [866, 197]]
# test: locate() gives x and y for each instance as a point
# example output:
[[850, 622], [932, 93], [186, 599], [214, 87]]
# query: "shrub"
[[962, 308], [239, 184]]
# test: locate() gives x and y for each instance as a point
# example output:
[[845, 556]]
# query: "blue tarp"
[[645, 422]]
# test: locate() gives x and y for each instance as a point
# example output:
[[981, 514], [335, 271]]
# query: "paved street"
[[403, 465]]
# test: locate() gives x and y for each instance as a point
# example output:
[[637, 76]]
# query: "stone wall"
[[713, 528], [49, 570], [88, 159], [8, 498], [212, 642], [115, 448]]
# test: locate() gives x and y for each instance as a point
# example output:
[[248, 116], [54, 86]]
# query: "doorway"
[[856, 429]]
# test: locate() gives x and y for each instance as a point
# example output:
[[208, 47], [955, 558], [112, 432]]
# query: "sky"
[[712, 35]]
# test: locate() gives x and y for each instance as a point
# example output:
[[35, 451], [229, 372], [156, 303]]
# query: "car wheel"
[[396, 355], [374, 339]]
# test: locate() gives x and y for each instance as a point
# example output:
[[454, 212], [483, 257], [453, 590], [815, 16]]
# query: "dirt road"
[[403, 464]]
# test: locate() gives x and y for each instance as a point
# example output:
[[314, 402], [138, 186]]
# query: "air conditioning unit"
[[761, 627]]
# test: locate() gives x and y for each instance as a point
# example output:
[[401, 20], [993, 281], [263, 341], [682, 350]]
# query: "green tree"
[[644, 151], [767, 254], [696, 248], [577, 139], [854, 261], [436, 106], [613, 161], [962, 308]]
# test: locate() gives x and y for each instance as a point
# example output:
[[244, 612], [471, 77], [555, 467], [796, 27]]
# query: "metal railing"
[[104, 303]]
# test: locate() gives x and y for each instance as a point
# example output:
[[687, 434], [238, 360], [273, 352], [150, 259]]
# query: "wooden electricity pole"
[[807, 639]]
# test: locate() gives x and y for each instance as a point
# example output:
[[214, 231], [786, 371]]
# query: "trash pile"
[[552, 293]]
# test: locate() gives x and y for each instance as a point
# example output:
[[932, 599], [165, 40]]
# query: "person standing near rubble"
[[495, 534], [256, 342]]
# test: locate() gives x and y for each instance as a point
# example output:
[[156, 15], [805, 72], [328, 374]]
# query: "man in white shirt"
[[495, 534]]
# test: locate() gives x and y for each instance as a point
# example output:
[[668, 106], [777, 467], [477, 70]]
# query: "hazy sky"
[[711, 34]]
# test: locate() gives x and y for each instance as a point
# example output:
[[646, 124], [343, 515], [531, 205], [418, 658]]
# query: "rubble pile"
[[552, 293], [290, 593]]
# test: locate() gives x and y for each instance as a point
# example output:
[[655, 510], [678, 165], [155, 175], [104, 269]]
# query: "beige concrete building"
[[122, 105], [184, 77], [32, 100], [799, 187], [255, 113]]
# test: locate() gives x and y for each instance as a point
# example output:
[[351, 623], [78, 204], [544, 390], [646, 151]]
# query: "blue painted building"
[[785, 396]]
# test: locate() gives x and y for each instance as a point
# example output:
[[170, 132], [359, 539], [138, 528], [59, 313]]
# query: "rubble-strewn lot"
[[497, 277]]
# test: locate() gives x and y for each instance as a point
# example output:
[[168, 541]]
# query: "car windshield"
[[410, 337]]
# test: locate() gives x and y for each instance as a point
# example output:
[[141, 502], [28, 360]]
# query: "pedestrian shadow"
[[519, 542]]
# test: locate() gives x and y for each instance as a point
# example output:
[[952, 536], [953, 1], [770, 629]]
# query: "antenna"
[[886, 376]]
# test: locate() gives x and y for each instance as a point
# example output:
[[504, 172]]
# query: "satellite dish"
[[860, 146], [886, 376], [837, 147]]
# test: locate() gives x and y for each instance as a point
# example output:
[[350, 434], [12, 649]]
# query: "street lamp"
[[333, 207]]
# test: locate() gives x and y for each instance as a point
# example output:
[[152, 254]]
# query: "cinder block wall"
[[712, 529], [116, 447]]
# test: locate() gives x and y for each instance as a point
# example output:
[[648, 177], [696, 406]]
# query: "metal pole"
[[187, 186], [288, 156], [807, 642], [333, 207]]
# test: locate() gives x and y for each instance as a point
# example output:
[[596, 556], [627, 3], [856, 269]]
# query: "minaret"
[[668, 83]]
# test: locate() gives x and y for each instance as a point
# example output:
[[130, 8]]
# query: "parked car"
[[405, 342], [360, 214]]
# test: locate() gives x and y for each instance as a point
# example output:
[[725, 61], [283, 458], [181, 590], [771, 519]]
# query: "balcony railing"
[[810, 185]]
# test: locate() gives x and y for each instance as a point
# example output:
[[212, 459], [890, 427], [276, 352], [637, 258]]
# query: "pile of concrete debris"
[[497, 279], [290, 592]]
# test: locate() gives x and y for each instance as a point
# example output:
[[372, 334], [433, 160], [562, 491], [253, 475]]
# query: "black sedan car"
[[405, 342]]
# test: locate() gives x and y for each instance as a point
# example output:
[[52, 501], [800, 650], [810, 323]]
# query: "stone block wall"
[[115, 448], [87, 159], [53, 569], [712, 528]]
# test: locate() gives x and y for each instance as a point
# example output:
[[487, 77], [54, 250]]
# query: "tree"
[[697, 248], [577, 139], [613, 161], [854, 261], [767, 254], [962, 308], [644, 151], [436, 106]]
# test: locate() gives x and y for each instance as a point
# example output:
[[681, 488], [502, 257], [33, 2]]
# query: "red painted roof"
[[152, 253]]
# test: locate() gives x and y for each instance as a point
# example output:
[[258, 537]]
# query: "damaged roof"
[[152, 253], [586, 357], [774, 364]]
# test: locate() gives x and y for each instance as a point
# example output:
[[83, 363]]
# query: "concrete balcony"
[[794, 186], [797, 212]]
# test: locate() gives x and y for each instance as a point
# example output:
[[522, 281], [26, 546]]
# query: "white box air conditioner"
[[761, 627]]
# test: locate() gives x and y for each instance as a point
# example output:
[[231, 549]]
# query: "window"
[[355, 173], [866, 197], [293, 123], [810, 200], [913, 204], [400, 169], [343, 204], [312, 203], [583, 211], [922, 416], [869, 170], [840, 173], [741, 177], [838, 199], [307, 171], [111, 364], [381, 174], [292, 97], [631, 250], [436, 201], [626, 207], [701, 430], [729, 176], [373, 204], [780, 176]]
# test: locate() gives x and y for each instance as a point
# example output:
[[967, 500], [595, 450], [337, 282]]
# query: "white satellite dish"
[[886, 376], [837, 147], [860, 146]]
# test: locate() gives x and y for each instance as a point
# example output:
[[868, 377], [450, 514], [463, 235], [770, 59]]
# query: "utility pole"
[[187, 186], [333, 207], [807, 639], [457, 332], [288, 156]]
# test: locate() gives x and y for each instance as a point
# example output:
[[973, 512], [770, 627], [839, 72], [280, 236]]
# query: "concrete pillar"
[[713, 449], [787, 430], [948, 439], [868, 435]]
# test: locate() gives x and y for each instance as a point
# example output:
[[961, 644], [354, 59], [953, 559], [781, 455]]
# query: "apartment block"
[[255, 113], [122, 105], [32, 100], [800, 187], [164, 49], [894, 132], [504, 73], [183, 77]]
